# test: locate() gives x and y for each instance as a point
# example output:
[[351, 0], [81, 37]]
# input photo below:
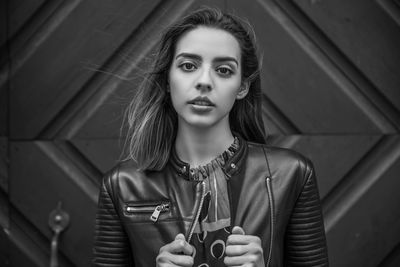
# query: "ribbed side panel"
[[305, 226], [112, 246]]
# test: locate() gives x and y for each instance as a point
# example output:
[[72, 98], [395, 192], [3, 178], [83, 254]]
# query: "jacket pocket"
[[150, 210]]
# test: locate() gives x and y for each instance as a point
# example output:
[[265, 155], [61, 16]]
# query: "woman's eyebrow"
[[199, 58], [189, 55], [224, 59]]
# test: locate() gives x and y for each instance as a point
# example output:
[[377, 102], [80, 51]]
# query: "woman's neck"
[[198, 146]]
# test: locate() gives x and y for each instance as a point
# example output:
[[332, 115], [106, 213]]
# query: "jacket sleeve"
[[111, 244], [305, 242]]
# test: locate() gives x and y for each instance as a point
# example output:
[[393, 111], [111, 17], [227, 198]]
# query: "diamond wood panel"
[[369, 39], [90, 31], [20, 12], [331, 91], [4, 60], [36, 189], [362, 217]]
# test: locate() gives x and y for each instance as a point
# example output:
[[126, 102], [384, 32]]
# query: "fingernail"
[[238, 230], [180, 236]]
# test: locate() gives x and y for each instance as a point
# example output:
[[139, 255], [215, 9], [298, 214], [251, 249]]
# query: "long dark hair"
[[151, 117]]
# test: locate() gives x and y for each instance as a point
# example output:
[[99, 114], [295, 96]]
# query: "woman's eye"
[[187, 66], [225, 71]]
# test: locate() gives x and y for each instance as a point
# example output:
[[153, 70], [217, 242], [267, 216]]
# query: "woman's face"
[[205, 77]]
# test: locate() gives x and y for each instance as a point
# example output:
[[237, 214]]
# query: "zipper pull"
[[156, 213]]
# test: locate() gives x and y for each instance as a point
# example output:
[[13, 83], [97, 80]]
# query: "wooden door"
[[331, 81]]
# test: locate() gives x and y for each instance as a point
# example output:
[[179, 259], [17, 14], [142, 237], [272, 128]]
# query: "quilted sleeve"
[[305, 242], [111, 244]]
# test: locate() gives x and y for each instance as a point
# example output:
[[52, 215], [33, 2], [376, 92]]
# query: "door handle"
[[58, 221]]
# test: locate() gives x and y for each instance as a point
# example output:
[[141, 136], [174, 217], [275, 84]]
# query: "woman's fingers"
[[243, 250], [168, 259], [178, 246], [239, 250], [235, 239], [176, 253], [235, 250], [247, 260], [183, 246], [180, 236], [237, 230], [183, 260], [238, 237]]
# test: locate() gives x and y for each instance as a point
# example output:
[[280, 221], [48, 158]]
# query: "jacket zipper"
[[155, 210], [196, 218], [156, 213], [272, 220]]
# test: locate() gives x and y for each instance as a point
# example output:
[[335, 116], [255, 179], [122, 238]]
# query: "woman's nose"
[[203, 86], [205, 81]]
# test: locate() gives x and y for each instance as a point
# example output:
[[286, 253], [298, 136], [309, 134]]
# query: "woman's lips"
[[201, 104], [201, 101]]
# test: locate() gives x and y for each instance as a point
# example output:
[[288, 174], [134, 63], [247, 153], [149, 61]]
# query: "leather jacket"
[[272, 191]]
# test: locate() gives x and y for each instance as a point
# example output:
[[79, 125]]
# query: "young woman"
[[201, 188]]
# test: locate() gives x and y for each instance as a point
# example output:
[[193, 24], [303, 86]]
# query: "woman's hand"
[[176, 253], [243, 250]]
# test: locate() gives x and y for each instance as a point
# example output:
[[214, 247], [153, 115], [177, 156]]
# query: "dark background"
[[331, 83]]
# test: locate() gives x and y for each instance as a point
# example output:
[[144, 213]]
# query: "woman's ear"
[[243, 90]]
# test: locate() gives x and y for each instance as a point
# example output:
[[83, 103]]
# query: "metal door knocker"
[[58, 221]]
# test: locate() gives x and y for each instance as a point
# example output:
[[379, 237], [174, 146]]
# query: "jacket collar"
[[230, 168]]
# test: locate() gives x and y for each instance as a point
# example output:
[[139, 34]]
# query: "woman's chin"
[[200, 123]]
